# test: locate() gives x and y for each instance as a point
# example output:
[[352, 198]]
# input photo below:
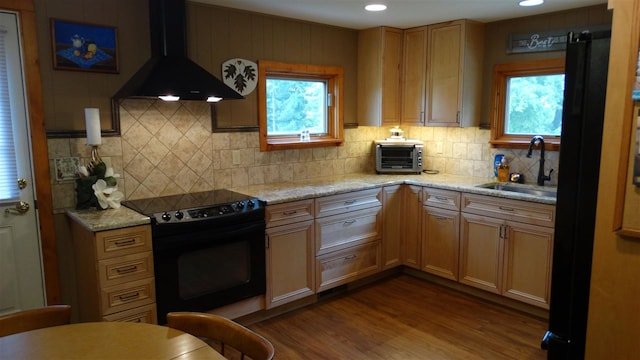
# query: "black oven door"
[[207, 267]]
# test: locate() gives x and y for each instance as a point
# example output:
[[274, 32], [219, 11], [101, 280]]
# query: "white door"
[[21, 277]]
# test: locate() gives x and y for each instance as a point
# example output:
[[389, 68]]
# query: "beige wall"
[[614, 314], [67, 93]]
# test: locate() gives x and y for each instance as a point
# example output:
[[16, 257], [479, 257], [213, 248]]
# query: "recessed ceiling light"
[[530, 2], [375, 7]]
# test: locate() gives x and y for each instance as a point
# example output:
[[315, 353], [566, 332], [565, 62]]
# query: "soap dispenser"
[[503, 170]]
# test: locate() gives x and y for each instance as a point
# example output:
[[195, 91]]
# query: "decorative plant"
[[97, 187]]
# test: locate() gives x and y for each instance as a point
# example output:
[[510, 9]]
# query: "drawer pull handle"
[[441, 198], [350, 257], [127, 242], [127, 270], [129, 297], [288, 213], [506, 208], [349, 222], [349, 202], [440, 218]]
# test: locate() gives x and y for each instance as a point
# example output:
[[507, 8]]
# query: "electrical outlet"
[[439, 147], [235, 157]]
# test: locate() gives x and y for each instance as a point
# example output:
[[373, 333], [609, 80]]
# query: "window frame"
[[333, 75], [501, 73]]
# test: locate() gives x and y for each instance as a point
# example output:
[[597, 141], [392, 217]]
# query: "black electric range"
[[217, 206]]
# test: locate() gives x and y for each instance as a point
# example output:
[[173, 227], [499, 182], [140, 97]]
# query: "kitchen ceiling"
[[400, 13]]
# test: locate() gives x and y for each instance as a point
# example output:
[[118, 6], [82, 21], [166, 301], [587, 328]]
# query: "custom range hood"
[[170, 75]]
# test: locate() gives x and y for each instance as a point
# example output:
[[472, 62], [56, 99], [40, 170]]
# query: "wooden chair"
[[229, 332], [26, 320]]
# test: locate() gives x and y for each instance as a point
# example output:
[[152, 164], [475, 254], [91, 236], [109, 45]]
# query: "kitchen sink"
[[522, 189]]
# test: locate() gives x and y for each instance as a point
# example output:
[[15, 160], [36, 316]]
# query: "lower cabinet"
[[392, 226], [343, 266], [440, 242], [411, 223], [348, 237], [290, 252], [502, 253], [114, 274]]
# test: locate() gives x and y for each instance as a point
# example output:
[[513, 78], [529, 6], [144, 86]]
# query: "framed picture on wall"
[[84, 47]]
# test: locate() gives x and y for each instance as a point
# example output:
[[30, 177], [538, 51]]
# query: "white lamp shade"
[[92, 119]]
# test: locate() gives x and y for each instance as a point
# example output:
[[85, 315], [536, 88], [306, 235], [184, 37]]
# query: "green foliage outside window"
[[295, 105], [534, 105]]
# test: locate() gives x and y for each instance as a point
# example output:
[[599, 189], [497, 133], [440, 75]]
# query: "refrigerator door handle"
[[551, 339]]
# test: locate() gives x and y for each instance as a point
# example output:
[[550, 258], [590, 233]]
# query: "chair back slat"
[[27, 320], [227, 332]]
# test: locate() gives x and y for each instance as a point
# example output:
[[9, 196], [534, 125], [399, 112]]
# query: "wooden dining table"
[[105, 340]]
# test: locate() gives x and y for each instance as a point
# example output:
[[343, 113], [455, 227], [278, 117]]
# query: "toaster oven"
[[399, 156]]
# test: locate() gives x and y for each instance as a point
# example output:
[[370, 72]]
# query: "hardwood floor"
[[403, 317]]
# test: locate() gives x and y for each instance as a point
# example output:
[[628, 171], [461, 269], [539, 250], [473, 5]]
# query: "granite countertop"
[[299, 190], [100, 220]]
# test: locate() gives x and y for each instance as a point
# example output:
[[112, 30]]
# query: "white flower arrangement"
[[97, 187]]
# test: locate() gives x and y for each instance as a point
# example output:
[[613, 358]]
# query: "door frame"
[[39, 148]]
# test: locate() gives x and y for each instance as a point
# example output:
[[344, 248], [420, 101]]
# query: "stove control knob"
[[251, 204], [240, 205], [166, 216], [179, 215]]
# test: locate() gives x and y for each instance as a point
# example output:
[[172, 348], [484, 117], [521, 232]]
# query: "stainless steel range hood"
[[170, 72]]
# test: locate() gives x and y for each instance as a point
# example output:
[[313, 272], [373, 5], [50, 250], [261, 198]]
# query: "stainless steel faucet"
[[541, 176]]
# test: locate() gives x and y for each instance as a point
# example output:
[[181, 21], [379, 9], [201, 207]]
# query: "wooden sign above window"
[[550, 40], [554, 40]]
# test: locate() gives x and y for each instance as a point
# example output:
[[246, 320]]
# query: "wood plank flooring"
[[403, 317]]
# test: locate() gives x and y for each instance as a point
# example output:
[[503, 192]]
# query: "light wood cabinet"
[[441, 226], [454, 73], [290, 252], [114, 274], [379, 76], [507, 246], [392, 226], [414, 74], [348, 233], [412, 234]]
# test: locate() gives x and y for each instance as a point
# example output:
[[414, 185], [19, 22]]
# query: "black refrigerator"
[[587, 59]]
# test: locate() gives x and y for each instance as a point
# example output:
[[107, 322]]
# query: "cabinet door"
[[444, 74], [414, 75], [290, 263], [392, 226], [379, 76], [440, 242], [481, 251], [527, 263], [412, 230], [391, 76]]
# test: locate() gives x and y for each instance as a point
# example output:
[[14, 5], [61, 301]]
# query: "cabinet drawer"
[[143, 314], [516, 210], [444, 199], [128, 296], [288, 213], [347, 265], [123, 241], [126, 268], [341, 203], [340, 231]]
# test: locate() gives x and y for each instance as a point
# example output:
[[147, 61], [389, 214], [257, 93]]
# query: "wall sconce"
[[94, 138]]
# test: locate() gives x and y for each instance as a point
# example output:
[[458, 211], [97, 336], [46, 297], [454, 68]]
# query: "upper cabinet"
[[379, 76], [414, 75], [429, 75], [454, 73]]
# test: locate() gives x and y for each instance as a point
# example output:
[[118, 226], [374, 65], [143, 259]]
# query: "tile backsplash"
[[168, 148]]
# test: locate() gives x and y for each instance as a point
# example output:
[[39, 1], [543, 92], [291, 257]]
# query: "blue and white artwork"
[[78, 46]]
